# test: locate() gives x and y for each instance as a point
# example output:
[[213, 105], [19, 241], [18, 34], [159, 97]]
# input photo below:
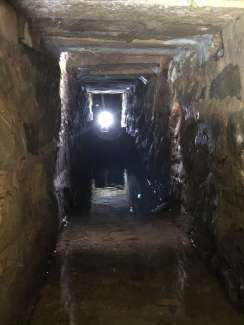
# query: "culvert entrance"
[[125, 49]]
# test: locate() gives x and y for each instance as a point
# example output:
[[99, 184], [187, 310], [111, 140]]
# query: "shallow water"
[[115, 267]]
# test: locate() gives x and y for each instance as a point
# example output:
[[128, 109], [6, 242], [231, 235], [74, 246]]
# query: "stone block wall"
[[29, 122], [207, 174], [151, 129]]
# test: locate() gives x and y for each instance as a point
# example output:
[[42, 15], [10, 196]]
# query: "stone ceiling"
[[122, 36]]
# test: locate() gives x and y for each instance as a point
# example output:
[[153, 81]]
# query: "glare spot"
[[105, 120]]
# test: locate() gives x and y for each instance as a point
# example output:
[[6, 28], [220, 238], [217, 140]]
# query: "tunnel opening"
[[107, 140]]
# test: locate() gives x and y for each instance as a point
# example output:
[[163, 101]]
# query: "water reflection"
[[142, 196], [101, 163]]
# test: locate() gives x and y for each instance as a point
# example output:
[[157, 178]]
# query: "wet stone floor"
[[115, 268]]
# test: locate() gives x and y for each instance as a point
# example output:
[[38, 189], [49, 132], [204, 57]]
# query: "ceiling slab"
[[132, 70], [88, 59], [112, 40], [76, 24]]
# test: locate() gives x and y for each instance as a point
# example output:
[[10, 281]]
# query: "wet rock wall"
[[29, 110], [78, 139], [207, 158], [152, 139], [69, 90], [73, 174]]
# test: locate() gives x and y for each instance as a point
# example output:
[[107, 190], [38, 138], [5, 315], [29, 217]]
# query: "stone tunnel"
[[121, 162]]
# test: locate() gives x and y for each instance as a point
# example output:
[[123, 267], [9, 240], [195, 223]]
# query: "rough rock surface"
[[207, 126], [29, 107], [151, 115], [162, 25]]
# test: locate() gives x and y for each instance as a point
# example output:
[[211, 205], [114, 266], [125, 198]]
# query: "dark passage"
[[112, 162], [108, 155], [122, 257]]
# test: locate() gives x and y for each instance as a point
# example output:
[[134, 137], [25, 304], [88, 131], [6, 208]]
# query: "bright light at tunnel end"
[[105, 120]]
